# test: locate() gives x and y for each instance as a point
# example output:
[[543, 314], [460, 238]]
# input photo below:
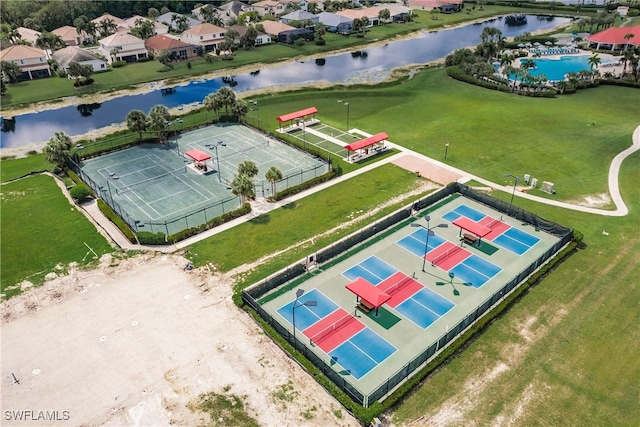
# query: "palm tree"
[[242, 185], [57, 149], [273, 175], [594, 61], [248, 168], [240, 109], [137, 121], [158, 119], [384, 15], [212, 102], [107, 27], [505, 60], [227, 97], [49, 41], [91, 29], [11, 71]]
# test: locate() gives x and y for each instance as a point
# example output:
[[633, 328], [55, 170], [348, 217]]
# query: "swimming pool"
[[556, 69]]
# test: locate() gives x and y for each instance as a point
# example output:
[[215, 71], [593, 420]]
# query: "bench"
[[365, 306], [469, 238]]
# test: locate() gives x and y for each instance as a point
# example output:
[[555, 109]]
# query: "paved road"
[[261, 205]]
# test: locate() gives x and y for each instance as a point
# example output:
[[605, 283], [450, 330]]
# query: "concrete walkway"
[[261, 205]]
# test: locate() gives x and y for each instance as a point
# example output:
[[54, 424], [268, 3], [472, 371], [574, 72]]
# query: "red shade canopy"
[[197, 155], [472, 227], [298, 114], [367, 141], [367, 292]]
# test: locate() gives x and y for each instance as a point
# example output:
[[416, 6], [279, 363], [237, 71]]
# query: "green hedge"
[[149, 238], [304, 186], [367, 414], [74, 177], [119, 222], [620, 82], [231, 215], [455, 73]]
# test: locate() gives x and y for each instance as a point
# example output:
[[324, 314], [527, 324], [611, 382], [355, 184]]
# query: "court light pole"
[[513, 193], [429, 233], [346, 103], [218, 158], [446, 150], [297, 303]]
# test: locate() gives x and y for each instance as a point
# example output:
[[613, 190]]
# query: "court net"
[[446, 254], [130, 187], [493, 223], [400, 284], [255, 146], [340, 323]]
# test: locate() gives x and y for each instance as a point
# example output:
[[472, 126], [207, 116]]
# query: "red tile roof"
[[161, 42], [615, 35]]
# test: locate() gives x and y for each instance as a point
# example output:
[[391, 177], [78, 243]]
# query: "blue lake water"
[[374, 65]]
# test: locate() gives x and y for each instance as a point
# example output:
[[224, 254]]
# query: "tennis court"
[[376, 315], [161, 188]]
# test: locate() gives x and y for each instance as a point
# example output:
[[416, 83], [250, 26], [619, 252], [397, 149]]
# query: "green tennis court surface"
[[158, 188], [373, 346]]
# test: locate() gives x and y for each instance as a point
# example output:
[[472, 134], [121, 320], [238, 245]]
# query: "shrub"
[[231, 215], [149, 238], [305, 185], [114, 218], [146, 59], [62, 74], [321, 42], [118, 64], [74, 177], [79, 192], [189, 65], [633, 12]]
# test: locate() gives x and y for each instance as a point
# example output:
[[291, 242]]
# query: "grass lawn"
[[16, 168], [40, 230], [489, 133], [303, 219], [120, 78], [567, 352]]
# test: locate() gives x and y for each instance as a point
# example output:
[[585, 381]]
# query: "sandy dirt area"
[[132, 342], [429, 170]]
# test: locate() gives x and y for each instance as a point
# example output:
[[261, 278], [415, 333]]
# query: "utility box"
[[547, 187], [534, 182], [527, 177]]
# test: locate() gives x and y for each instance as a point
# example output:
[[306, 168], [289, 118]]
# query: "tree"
[[248, 39], [81, 24], [91, 29], [137, 121], [107, 27], [158, 119], [49, 41], [143, 28], [80, 192], [153, 13], [242, 185], [384, 15], [11, 71], [165, 58], [358, 26], [182, 22], [57, 149], [212, 102], [594, 61], [248, 168], [78, 70], [320, 31], [240, 109], [227, 97], [164, 10], [434, 13], [273, 175], [208, 12]]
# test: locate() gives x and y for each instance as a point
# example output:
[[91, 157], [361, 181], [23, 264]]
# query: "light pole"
[[429, 233], [513, 193], [255, 107], [218, 159], [446, 150], [297, 303], [346, 103]]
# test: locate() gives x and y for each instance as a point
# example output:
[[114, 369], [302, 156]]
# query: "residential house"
[[70, 36], [168, 20], [269, 7], [179, 49], [371, 13], [198, 14], [274, 28], [31, 60], [121, 25], [206, 35], [158, 27], [299, 16], [232, 10], [28, 34], [335, 23], [445, 6], [291, 36], [123, 47], [398, 12], [70, 54], [262, 38]]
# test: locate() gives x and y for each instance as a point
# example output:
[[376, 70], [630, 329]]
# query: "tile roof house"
[[115, 19], [269, 7], [207, 36], [446, 6], [70, 36], [299, 15], [274, 28], [70, 54], [335, 23], [159, 27], [615, 38], [179, 49], [370, 13], [166, 19], [260, 40], [31, 60], [28, 34], [232, 10], [125, 46]]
